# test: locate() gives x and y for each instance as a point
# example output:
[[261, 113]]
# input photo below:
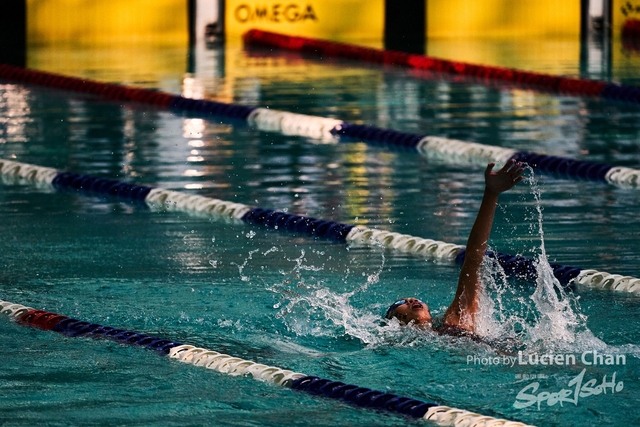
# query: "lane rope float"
[[570, 86], [234, 366], [161, 199], [329, 130]]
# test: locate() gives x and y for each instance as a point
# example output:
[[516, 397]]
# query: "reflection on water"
[[296, 302]]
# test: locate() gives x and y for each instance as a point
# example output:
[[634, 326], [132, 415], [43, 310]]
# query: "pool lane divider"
[[162, 199], [483, 73], [223, 363], [329, 130]]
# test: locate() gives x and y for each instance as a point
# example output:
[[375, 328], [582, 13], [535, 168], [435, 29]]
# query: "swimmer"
[[459, 319]]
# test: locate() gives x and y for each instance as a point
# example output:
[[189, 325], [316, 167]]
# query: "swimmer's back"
[[505, 346]]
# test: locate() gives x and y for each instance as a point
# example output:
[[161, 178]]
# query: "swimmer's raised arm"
[[462, 311]]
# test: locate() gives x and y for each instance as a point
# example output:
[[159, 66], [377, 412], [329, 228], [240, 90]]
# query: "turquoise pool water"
[[290, 301]]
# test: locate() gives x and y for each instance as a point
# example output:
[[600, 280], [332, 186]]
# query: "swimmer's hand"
[[503, 179]]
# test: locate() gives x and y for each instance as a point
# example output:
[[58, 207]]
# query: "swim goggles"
[[392, 308]]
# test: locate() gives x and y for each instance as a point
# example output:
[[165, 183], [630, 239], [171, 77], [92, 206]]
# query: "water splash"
[[561, 324], [547, 320], [310, 308], [242, 266]]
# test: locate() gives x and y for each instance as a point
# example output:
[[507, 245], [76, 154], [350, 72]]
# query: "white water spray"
[[314, 309], [549, 319]]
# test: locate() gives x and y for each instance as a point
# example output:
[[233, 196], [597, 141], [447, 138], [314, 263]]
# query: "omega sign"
[[275, 13]]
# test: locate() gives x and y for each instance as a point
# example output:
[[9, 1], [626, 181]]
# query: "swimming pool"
[[284, 299]]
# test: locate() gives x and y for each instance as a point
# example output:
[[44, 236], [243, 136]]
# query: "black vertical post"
[[405, 25], [607, 39], [585, 26], [607, 17], [584, 20], [222, 20], [192, 9], [191, 20], [13, 32]]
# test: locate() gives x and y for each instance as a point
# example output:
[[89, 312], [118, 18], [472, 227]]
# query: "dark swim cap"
[[392, 308]]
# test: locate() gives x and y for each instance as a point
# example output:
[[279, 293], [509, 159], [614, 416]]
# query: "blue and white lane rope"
[[161, 199], [332, 130], [235, 366], [445, 150]]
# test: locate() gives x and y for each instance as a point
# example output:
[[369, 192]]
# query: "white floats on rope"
[[233, 212], [623, 177], [427, 248], [294, 124], [161, 199], [439, 149], [444, 415], [606, 281], [235, 366], [231, 365], [452, 151], [13, 310], [36, 175]]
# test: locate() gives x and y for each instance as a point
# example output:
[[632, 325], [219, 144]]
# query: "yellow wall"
[[330, 19], [625, 53], [621, 11], [502, 18], [547, 55], [106, 21]]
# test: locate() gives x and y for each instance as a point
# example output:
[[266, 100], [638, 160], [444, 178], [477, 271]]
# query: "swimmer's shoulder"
[[505, 346], [455, 331]]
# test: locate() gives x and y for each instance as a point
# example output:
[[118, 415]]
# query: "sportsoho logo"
[[578, 387], [275, 13]]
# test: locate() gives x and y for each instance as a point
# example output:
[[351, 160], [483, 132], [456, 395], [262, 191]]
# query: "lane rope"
[[161, 199], [235, 366], [570, 86], [329, 130]]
